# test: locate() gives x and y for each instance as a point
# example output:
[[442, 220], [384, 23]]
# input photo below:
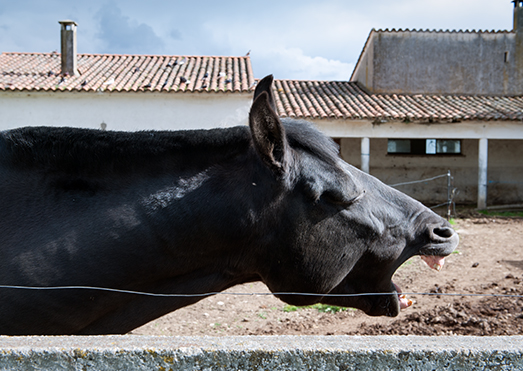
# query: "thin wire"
[[131, 292], [501, 182], [443, 204], [419, 181]]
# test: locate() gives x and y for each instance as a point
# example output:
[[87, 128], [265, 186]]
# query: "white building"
[[398, 124], [420, 103], [122, 92]]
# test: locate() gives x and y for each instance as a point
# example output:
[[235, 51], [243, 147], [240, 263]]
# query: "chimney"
[[518, 15], [68, 48]]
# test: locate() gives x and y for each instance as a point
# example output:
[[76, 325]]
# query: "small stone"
[[475, 265]]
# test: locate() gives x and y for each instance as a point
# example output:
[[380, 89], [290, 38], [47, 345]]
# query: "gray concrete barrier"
[[261, 353]]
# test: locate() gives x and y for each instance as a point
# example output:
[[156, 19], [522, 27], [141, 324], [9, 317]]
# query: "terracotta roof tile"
[[347, 100], [167, 73]]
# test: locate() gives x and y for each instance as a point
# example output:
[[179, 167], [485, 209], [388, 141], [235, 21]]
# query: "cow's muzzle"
[[442, 234], [442, 240]]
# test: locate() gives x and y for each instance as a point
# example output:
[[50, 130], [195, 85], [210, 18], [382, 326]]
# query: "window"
[[424, 146]]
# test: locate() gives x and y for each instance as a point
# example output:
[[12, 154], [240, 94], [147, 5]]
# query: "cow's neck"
[[82, 152]]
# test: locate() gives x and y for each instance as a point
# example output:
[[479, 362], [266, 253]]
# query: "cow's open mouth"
[[434, 262]]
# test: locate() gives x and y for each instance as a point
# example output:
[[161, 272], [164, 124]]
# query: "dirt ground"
[[489, 260]]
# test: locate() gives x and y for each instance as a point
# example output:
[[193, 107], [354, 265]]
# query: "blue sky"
[[309, 40]]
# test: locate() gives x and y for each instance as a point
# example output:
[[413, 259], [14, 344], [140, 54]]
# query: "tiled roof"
[[41, 71], [300, 99], [347, 100]]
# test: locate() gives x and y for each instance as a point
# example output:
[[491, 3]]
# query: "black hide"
[[194, 212]]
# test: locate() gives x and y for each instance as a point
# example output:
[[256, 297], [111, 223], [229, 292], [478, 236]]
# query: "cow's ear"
[[265, 85], [268, 134]]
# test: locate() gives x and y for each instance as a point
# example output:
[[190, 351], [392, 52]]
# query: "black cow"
[[194, 212]]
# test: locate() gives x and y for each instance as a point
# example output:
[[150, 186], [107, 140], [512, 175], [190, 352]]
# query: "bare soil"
[[489, 260]]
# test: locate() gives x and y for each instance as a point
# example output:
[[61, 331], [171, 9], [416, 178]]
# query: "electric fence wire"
[[447, 203], [503, 182], [419, 181], [207, 294]]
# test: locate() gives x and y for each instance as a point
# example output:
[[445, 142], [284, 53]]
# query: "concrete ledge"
[[261, 353]]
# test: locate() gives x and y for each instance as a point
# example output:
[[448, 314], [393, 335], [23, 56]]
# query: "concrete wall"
[[273, 353], [435, 62], [123, 111], [505, 170]]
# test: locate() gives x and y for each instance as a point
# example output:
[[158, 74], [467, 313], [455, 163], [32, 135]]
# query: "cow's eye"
[[337, 197]]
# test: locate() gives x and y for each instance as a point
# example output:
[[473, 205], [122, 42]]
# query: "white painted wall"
[[124, 111], [441, 130]]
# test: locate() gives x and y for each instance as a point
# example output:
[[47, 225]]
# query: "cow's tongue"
[[434, 262]]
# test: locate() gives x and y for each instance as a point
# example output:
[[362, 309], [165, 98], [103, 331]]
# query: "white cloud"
[[307, 46], [292, 63], [121, 34]]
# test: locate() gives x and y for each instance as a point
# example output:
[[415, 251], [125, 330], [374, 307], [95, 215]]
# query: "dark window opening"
[[424, 146]]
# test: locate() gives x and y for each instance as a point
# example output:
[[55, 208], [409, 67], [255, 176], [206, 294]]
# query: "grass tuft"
[[323, 308]]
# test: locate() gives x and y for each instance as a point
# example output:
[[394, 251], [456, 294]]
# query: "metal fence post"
[[449, 200]]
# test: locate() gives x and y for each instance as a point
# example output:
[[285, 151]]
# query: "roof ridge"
[[31, 53], [440, 30], [300, 80], [132, 55]]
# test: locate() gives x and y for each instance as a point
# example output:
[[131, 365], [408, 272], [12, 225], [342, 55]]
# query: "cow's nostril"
[[444, 232]]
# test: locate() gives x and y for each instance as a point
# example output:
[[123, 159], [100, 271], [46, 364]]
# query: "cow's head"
[[341, 231]]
